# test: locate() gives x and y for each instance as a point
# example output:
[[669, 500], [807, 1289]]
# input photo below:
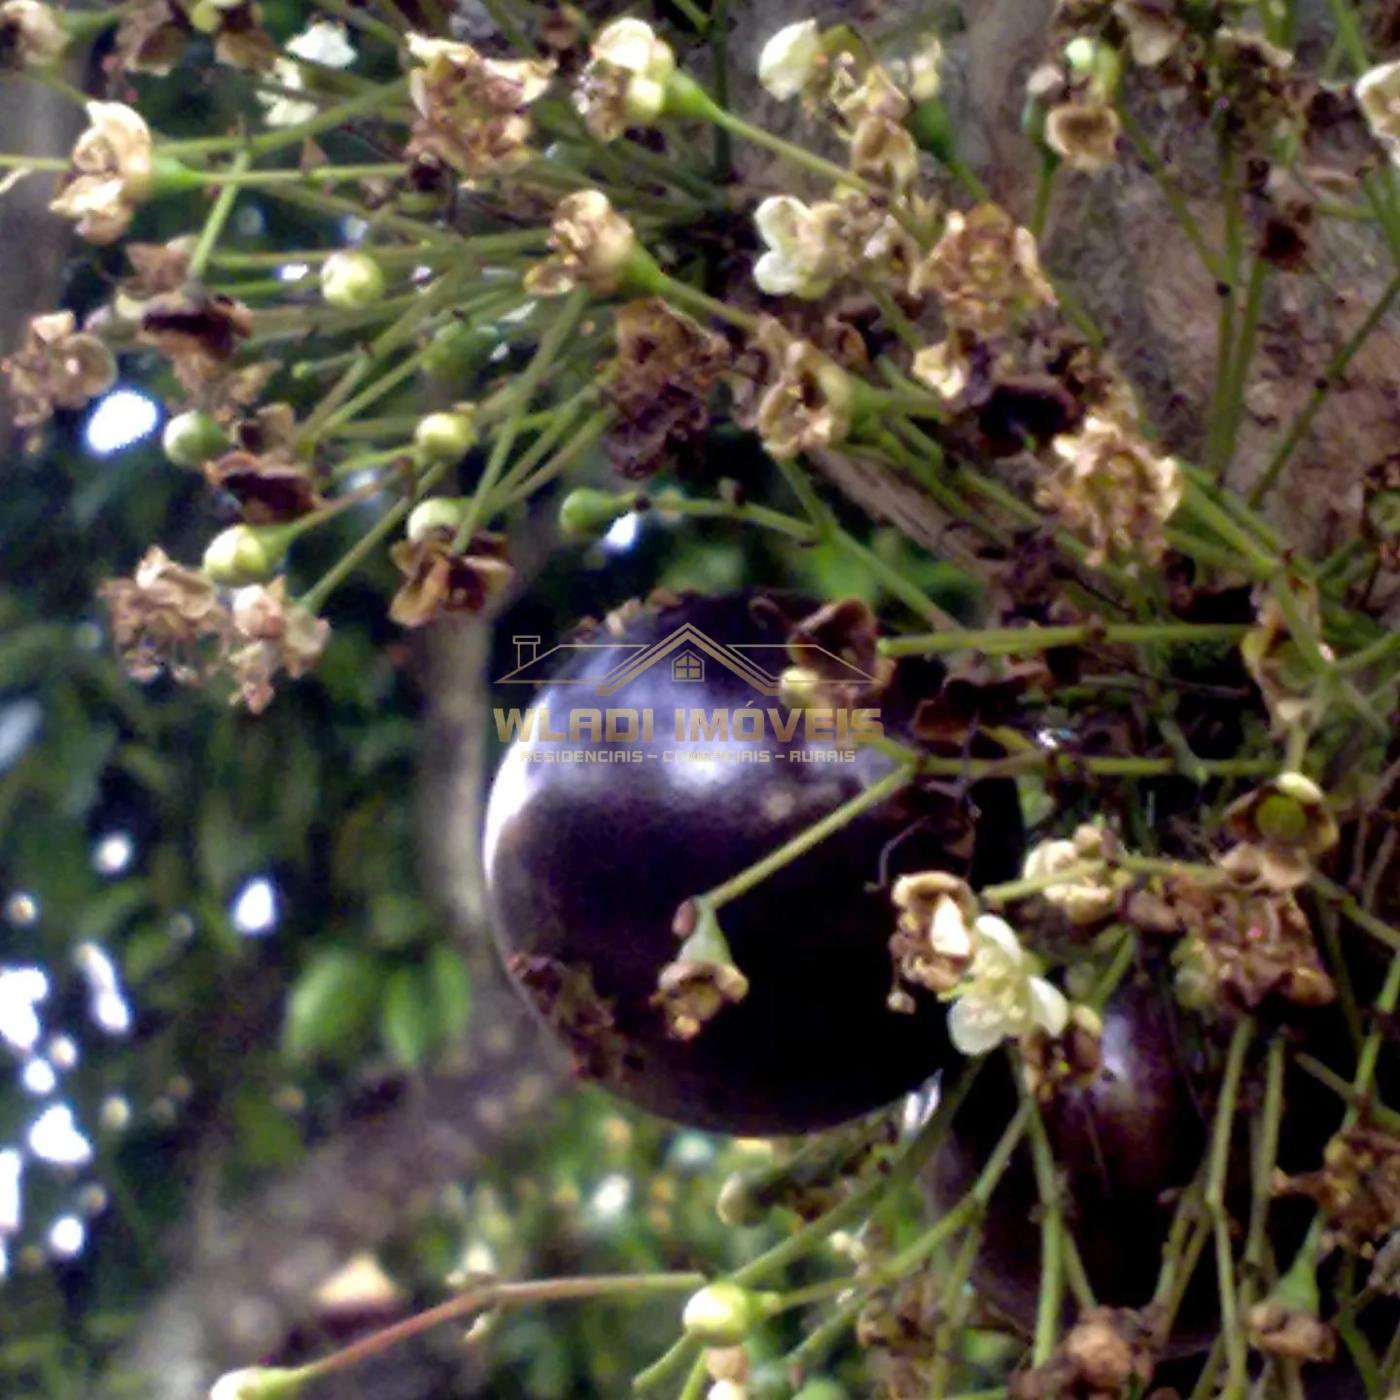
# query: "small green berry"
[[721, 1314], [244, 554], [445, 437], [436, 513], [458, 350], [351, 280], [191, 439], [588, 514]]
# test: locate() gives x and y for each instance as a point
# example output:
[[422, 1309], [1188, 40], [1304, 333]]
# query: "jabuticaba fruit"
[[587, 862]]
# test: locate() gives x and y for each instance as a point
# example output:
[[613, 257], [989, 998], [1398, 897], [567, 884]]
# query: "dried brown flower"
[[809, 404], [199, 332], [240, 41], [1154, 31], [1254, 79], [276, 636], [1112, 487], [883, 152], [1071, 1060], [1109, 1353], [667, 368], [438, 581], [57, 366], [1084, 133], [112, 173], [1290, 1332], [593, 246], [1284, 824], [167, 618], [1242, 947], [472, 110], [566, 998], [269, 489], [985, 270], [934, 941], [150, 38], [1277, 664], [160, 269], [1357, 1187]]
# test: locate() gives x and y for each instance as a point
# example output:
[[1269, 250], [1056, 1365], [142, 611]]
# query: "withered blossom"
[[1088, 897], [240, 41], [1378, 92], [167, 619], [1276, 663], [883, 152], [944, 367], [1357, 1187], [159, 269], [1109, 1353], [1153, 28], [808, 248], [1289, 1332], [1053, 1064], [702, 979], [1112, 487], [1283, 825], [1253, 78], [198, 332], [839, 636], [667, 369], [876, 95], [111, 175], [472, 110], [31, 35], [809, 403], [934, 938], [269, 489], [592, 246], [438, 580], [57, 366], [624, 83], [151, 37], [1242, 947], [985, 270], [271, 635], [1084, 134]]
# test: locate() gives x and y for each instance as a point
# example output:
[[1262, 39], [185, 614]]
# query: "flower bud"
[[446, 437], [587, 514], [258, 1383], [1098, 62], [457, 350], [722, 1314], [436, 513], [790, 59], [932, 128], [245, 554], [191, 439], [351, 281]]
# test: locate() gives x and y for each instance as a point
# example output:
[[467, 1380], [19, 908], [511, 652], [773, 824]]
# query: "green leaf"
[[450, 987], [406, 1018], [331, 1005]]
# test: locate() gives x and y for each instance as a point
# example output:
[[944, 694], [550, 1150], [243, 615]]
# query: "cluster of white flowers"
[[322, 43]]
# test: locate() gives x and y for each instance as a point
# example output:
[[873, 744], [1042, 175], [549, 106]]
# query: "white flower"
[[593, 246], [1002, 995], [943, 367], [804, 254], [1153, 30], [322, 43], [1378, 92], [790, 59], [926, 72], [1093, 894], [112, 165]]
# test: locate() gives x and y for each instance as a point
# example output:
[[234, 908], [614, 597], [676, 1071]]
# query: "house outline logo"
[[685, 647]]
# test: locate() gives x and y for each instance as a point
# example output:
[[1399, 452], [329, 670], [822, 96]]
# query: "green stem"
[[1233, 405], [591, 430], [1021, 641], [804, 841], [1236, 1343], [1052, 1227], [524, 389], [1265, 1157], [218, 217]]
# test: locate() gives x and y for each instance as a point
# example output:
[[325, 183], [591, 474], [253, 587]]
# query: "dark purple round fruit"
[[588, 861], [1125, 1144]]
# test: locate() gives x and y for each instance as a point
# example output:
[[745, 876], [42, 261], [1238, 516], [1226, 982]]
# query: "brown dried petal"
[[268, 489], [437, 581]]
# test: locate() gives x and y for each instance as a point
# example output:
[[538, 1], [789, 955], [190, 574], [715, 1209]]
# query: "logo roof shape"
[[636, 659]]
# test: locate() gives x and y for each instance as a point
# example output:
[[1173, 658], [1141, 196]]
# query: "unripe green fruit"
[[436, 513], [721, 1314], [351, 281], [244, 554], [191, 439], [1097, 61], [587, 514], [445, 437], [457, 350], [932, 128]]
